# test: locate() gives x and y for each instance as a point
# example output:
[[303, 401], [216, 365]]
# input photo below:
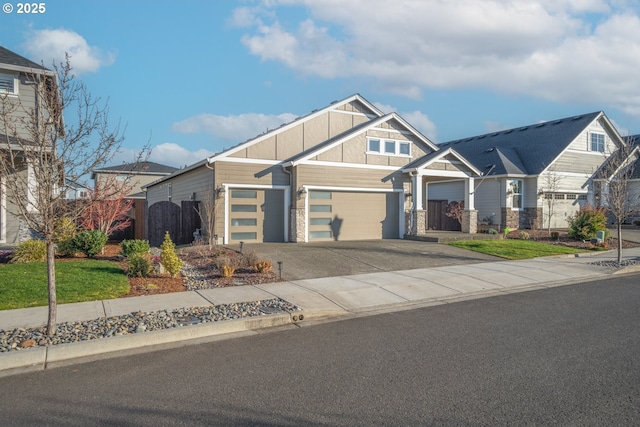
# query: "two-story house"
[[19, 106]]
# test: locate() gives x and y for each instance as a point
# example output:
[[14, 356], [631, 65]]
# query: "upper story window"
[[597, 142], [8, 84], [389, 147]]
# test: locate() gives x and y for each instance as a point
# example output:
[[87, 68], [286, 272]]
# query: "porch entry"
[[437, 218]]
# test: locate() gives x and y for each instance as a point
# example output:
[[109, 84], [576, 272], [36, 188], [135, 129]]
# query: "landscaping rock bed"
[[138, 322]]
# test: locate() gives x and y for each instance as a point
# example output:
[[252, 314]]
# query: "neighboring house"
[[132, 177], [335, 174], [530, 171], [18, 77], [75, 191]]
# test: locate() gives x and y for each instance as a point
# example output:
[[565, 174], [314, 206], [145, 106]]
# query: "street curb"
[[41, 358]]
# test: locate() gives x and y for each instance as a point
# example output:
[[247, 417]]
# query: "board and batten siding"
[[304, 135]]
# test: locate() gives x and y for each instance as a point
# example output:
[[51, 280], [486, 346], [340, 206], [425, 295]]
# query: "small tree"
[[40, 148], [168, 256]]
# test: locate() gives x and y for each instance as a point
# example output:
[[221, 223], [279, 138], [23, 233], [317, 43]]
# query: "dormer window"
[[388, 147], [8, 84]]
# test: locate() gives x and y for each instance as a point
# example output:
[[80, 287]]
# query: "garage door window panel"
[[244, 208], [244, 222], [244, 235], [320, 208]]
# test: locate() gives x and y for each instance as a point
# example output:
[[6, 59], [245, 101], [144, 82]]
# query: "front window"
[[597, 142], [388, 147], [516, 189]]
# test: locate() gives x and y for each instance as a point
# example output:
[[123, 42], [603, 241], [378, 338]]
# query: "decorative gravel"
[[614, 264], [138, 322]]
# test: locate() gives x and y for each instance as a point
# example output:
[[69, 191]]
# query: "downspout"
[[213, 187], [288, 213]]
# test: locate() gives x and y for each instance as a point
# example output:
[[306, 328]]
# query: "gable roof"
[[527, 150], [350, 133], [13, 61], [334, 105], [375, 111], [140, 168], [437, 155]]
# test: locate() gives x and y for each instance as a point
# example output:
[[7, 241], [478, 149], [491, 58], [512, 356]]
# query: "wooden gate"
[[163, 217], [437, 218]]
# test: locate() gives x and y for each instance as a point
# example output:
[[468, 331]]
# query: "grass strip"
[[25, 285], [514, 249]]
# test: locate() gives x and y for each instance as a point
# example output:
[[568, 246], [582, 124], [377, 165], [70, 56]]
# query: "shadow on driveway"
[[327, 259]]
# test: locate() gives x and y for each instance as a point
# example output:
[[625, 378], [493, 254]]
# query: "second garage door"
[[338, 215]]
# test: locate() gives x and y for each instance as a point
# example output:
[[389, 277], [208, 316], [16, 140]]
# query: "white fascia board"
[[353, 189], [290, 125], [438, 157], [347, 165], [27, 70]]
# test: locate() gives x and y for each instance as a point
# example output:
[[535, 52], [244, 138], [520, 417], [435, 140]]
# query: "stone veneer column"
[[470, 221], [420, 223], [297, 230]]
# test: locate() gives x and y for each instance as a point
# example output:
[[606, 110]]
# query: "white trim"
[[291, 125], [227, 199], [348, 165], [249, 160], [390, 130], [352, 189]]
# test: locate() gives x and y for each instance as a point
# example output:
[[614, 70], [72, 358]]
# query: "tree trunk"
[[51, 281], [619, 242]]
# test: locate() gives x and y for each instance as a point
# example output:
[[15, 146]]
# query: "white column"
[[469, 196], [418, 202]]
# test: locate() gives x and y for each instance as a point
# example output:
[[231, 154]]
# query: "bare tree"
[[551, 183], [209, 209], [614, 187], [62, 132]]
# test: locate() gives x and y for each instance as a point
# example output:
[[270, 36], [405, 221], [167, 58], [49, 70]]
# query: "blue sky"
[[194, 77]]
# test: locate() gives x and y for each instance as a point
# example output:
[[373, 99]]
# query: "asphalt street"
[[559, 356]]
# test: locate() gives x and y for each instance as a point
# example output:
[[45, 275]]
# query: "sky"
[[193, 77]]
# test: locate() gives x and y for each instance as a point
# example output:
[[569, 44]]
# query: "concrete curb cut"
[[41, 358]]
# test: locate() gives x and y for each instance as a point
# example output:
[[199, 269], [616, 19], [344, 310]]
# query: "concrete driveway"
[[327, 259]]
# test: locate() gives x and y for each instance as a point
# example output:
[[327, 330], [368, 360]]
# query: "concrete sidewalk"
[[319, 298]]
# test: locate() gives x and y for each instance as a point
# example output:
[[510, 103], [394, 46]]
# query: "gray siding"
[[487, 200], [182, 187]]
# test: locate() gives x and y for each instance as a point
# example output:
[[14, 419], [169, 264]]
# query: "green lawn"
[[25, 285], [514, 249]]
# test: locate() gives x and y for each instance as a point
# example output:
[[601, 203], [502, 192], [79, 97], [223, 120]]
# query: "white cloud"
[[582, 51], [417, 119], [50, 47], [233, 128]]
